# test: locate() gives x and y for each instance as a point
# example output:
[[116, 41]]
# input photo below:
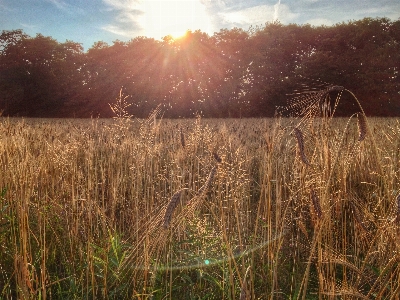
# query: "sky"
[[90, 21]]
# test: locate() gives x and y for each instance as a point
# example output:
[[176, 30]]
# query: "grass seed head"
[[300, 143], [334, 88], [208, 182], [171, 207], [362, 127], [217, 157]]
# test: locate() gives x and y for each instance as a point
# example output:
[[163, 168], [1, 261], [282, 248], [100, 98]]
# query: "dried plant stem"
[[375, 147], [243, 289], [304, 283], [357, 216], [182, 139]]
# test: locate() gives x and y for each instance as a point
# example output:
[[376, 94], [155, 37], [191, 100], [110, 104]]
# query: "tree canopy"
[[233, 73]]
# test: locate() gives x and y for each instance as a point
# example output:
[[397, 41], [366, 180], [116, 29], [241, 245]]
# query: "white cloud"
[[251, 15], [259, 14], [319, 22], [119, 31], [122, 4], [276, 10], [29, 26], [157, 18]]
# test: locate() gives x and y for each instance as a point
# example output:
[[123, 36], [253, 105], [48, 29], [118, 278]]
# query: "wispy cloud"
[[125, 5], [29, 26], [126, 17], [319, 22], [276, 10], [257, 15], [59, 4]]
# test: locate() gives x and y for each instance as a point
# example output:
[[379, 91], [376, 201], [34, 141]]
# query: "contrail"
[[276, 11]]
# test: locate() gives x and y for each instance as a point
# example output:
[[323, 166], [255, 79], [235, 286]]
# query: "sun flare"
[[174, 17]]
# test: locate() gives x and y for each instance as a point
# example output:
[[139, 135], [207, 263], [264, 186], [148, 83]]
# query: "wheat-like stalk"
[[182, 139], [300, 143], [362, 127], [334, 88], [243, 289], [316, 203], [398, 209], [171, 207], [357, 216], [207, 184]]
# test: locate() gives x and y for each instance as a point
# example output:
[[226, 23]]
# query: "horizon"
[[111, 20]]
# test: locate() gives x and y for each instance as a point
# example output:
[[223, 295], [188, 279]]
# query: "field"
[[200, 208]]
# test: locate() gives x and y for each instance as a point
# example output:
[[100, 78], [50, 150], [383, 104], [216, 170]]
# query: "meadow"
[[199, 208]]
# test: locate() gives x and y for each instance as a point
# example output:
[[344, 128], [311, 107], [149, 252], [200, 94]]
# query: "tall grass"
[[84, 202]]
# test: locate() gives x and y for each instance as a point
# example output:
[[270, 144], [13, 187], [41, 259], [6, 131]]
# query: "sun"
[[174, 17]]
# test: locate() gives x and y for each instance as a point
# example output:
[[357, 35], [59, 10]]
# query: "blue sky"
[[89, 21]]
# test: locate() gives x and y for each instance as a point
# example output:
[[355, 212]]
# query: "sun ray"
[[174, 17]]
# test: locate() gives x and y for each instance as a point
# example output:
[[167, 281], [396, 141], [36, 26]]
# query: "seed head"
[[300, 143], [362, 127], [207, 184], [171, 207]]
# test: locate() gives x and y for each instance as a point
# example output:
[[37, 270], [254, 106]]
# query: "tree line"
[[233, 73]]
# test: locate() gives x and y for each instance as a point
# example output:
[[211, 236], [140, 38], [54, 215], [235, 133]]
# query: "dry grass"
[[84, 204]]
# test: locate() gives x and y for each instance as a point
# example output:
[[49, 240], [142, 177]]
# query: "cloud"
[[319, 22], [125, 5], [156, 18], [259, 14], [276, 10], [59, 4], [29, 26], [117, 30], [392, 12], [72, 10], [125, 16]]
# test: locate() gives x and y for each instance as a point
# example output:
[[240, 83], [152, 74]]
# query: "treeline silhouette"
[[233, 73]]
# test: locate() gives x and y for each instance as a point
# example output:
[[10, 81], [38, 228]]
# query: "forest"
[[233, 73]]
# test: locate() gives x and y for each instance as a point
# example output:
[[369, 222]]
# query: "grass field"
[[199, 209]]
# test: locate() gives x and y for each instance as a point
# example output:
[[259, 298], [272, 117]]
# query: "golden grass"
[[84, 204]]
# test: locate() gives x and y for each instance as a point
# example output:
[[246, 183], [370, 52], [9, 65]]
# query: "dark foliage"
[[234, 73]]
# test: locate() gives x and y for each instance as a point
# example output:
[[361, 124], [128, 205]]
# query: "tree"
[[36, 73]]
